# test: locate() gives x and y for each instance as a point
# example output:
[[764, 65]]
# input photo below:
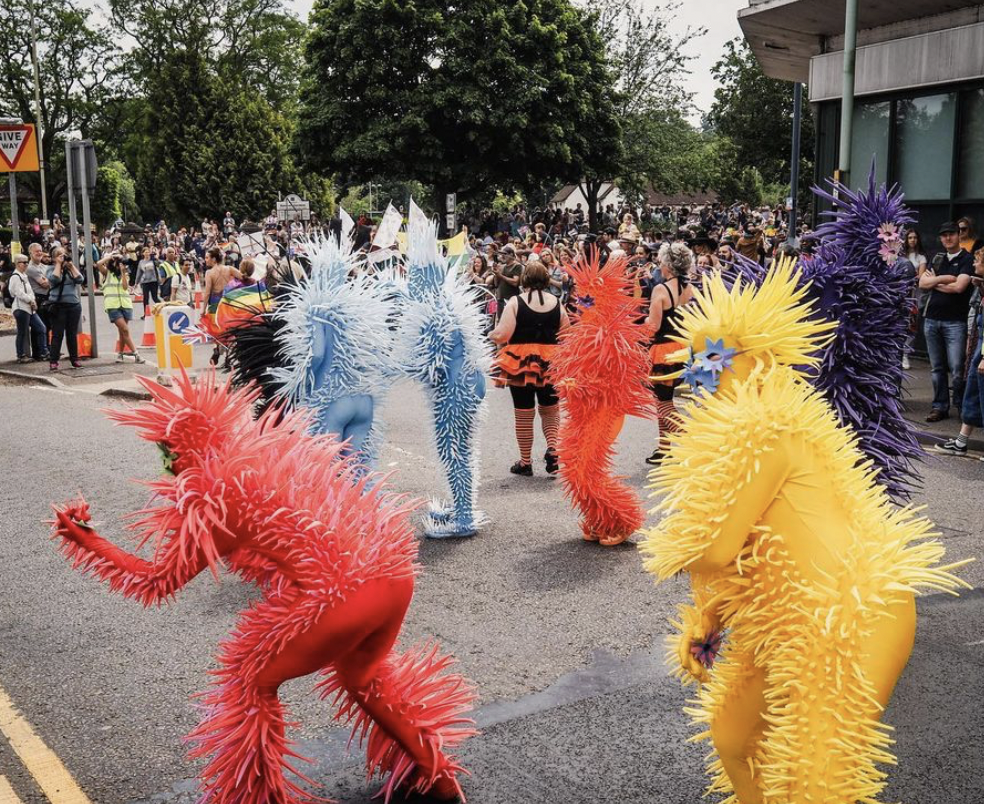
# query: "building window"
[[924, 145], [970, 176], [869, 141]]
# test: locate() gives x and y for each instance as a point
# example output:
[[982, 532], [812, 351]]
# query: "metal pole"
[[37, 112], [14, 223], [73, 228], [847, 95], [795, 163], [90, 268]]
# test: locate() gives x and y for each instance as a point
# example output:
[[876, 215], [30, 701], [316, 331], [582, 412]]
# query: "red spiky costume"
[[601, 370], [335, 554]]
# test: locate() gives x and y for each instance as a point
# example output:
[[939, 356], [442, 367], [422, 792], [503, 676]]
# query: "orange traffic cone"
[[149, 338]]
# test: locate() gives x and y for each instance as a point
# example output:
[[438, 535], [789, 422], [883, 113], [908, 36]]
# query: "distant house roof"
[[563, 194]]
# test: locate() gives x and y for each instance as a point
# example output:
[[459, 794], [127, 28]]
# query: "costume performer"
[[676, 261], [601, 371], [858, 282], [439, 343], [338, 553], [528, 331], [325, 346], [796, 556]]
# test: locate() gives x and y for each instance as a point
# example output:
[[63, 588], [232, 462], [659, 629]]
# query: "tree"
[[755, 113], [106, 207], [649, 60], [254, 43], [80, 68], [524, 103], [205, 146]]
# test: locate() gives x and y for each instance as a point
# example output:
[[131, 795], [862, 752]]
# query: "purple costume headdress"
[[859, 281]]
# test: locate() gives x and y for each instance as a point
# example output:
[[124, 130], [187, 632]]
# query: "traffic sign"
[[18, 148]]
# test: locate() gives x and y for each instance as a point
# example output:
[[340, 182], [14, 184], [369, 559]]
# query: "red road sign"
[[18, 149]]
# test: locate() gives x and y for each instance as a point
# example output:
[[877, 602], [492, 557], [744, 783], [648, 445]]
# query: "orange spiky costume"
[[335, 553], [601, 370]]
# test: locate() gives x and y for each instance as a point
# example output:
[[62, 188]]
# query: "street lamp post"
[[795, 163], [37, 112], [847, 94]]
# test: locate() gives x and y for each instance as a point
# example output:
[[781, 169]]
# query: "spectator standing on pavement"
[[65, 308], [948, 283], [915, 253], [117, 303], [31, 332], [972, 407], [37, 275], [183, 286], [167, 269], [147, 278], [507, 275]]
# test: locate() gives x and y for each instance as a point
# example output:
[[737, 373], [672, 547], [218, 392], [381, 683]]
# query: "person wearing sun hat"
[[948, 282]]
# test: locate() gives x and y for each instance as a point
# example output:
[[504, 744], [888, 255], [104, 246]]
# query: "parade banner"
[[385, 240], [348, 224]]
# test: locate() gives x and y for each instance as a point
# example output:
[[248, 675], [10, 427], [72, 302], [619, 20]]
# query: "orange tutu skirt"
[[658, 355], [523, 364]]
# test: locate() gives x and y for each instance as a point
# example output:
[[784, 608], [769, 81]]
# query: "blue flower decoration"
[[704, 369], [585, 301]]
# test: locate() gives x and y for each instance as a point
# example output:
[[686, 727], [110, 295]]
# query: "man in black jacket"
[[945, 326]]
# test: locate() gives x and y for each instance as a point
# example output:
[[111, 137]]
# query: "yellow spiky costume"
[[795, 554]]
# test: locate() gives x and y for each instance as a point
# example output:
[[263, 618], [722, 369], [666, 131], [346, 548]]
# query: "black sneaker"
[[952, 447], [656, 458], [937, 415], [520, 468], [552, 460]]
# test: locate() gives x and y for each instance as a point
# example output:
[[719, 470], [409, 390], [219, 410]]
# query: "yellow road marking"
[[47, 769], [7, 794]]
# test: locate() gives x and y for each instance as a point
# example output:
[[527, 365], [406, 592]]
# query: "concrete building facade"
[[919, 85]]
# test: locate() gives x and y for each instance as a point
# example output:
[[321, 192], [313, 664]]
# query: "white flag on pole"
[[384, 242], [347, 223], [418, 218]]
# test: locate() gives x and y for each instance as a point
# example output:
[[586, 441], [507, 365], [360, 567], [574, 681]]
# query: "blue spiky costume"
[[325, 345], [439, 343]]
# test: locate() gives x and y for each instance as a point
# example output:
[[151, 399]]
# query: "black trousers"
[[526, 398], [65, 323]]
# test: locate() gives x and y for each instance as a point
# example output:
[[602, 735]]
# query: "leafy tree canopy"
[[462, 96]]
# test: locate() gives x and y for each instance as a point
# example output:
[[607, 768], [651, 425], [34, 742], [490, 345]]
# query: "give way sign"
[[18, 148]]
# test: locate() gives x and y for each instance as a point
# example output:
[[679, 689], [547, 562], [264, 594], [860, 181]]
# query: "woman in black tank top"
[[676, 261], [528, 333]]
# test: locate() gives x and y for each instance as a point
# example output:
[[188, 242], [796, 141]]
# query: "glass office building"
[[919, 86]]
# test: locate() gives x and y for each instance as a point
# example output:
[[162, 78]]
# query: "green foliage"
[[755, 114], [106, 207], [527, 100], [80, 69], [206, 146]]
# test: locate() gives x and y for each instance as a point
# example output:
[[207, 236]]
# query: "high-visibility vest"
[[168, 269], [115, 296]]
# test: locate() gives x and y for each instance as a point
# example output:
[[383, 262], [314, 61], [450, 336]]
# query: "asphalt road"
[[563, 638]]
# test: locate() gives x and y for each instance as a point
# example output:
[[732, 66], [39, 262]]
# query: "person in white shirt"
[[183, 285], [31, 330]]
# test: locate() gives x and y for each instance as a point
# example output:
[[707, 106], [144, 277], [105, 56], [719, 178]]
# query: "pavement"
[[562, 638]]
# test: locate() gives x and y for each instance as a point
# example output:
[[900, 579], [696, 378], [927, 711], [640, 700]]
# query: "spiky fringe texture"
[[860, 371], [418, 685], [352, 312], [439, 343], [600, 370], [273, 501], [808, 636], [767, 321]]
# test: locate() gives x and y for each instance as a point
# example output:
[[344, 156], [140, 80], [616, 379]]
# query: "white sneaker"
[[119, 357], [905, 363], [138, 359]]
